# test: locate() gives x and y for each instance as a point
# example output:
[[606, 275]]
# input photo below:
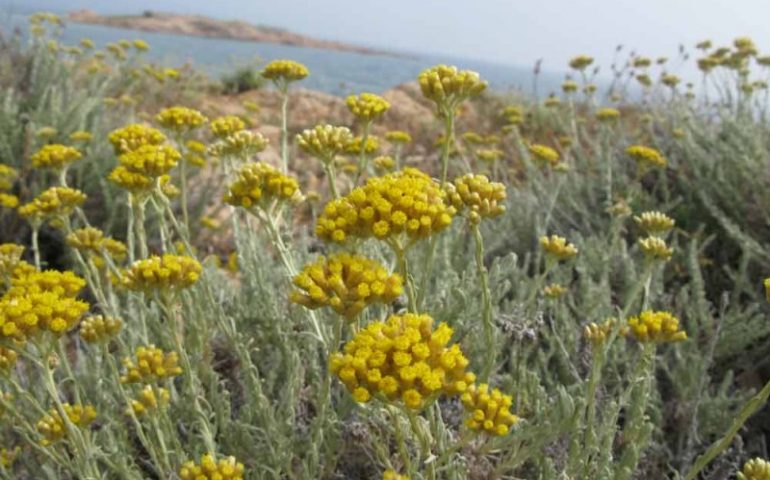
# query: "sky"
[[508, 32]]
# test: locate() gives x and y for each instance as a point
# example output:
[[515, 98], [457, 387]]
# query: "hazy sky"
[[502, 31]]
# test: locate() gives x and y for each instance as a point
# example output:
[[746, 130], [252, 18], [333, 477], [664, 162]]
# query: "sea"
[[331, 71]]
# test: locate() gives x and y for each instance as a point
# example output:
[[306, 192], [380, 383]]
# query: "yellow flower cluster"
[[55, 156], [489, 155], [393, 475], [554, 291], [241, 144], [91, 241], [259, 184], [223, 127], [10, 256], [569, 86], [482, 198], [557, 247], [324, 141], [285, 71], [8, 201], [151, 160], [162, 273], [7, 457], [150, 398], [152, 365], [670, 80], [354, 145], [180, 119], [41, 301], [52, 427], [655, 248], [654, 223], [133, 136], [140, 45], [127, 179], [398, 137], [646, 157], [447, 86], [211, 469], [100, 329], [56, 202], [597, 333], [489, 410], [367, 107], [8, 175], [653, 326], [513, 115], [406, 202], [755, 469], [607, 114], [403, 358], [346, 283], [8, 360], [384, 163], [81, 136], [544, 155], [581, 62], [552, 101]]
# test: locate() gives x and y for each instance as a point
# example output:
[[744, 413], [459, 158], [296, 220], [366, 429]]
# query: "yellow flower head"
[[53, 428], [581, 62], [489, 155], [82, 136], [8, 201], [56, 202], [24, 314], [241, 144], [544, 155], [489, 411], [408, 203], [393, 475], [133, 136], [55, 156], [646, 157], [767, 289], [607, 114], [8, 360], [285, 71], [140, 45], [755, 469], [223, 127], [62, 284], [10, 256], [557, 247], [654, 223], [513, 114], [384, 163], [482, 198], [655, 249], [346, 283], [151, 160], [180, 119], [597, 333], [642, 62], [658, 327], [168, 272], [150, 399], [569, 86], [259, 184], [210, 469], [8, 456], [134, 182], [8, 175], [100, 329], [92, 243], [670, 80], [324, 141], [402, 359], [590, 89], [398, 137], [151, 365], [354, 145], [367, 107], [448, 87], [554, 291]]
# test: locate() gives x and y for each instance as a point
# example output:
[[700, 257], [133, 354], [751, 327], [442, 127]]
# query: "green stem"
[[363, 158], [35, 245], [183, 188], [403, 269], [486, 296], [285, 128], [449, 129], [331, 177], [750, 408]]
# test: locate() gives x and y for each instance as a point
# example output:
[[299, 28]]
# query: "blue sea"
[[331, 71]]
